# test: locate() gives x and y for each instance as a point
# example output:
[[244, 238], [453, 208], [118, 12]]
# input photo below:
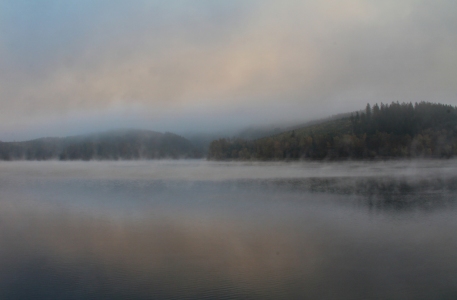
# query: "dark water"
[[199, 230]]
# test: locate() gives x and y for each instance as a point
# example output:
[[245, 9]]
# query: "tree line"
[[114, 145], [396, 130]]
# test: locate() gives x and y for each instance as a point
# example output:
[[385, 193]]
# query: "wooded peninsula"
[[406, 130]]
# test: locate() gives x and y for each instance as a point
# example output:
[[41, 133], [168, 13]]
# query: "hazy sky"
[[75, 66]]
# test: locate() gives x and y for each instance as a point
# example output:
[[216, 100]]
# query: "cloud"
[[310, 58]]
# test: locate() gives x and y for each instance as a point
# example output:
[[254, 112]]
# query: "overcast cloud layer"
[[75, 66]]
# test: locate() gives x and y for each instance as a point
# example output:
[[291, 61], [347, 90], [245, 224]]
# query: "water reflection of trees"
[[381, 193]]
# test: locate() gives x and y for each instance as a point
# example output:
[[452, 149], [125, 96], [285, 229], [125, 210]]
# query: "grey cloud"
[[280, 61]]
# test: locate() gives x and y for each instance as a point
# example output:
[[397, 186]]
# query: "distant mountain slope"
[[111, 145], [257, 132], [386, 131]]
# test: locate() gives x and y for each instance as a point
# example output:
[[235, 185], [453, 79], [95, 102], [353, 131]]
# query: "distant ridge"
[[257, 132], [383, 131], [121, 144]]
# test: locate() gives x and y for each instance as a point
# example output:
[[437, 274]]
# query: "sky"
[[78, 66]]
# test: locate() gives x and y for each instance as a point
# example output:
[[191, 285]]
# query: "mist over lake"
[[193, 229], [228, 149]]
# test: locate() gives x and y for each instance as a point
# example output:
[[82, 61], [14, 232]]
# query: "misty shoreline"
[[400, 185], [196, 169]]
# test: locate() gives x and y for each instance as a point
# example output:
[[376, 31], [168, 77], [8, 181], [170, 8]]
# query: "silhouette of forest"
[[396, 130], [113, 145], [383, 131]]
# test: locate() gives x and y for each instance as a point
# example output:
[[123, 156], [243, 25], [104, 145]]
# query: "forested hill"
[[112, 145], [383, 131]]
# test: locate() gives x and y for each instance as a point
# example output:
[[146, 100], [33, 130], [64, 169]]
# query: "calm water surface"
[[207, 230]]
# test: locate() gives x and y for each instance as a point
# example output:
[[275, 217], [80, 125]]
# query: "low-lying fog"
[[208, 170], [198, 229]]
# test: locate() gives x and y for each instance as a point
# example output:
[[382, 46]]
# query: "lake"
[[224, 230]]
